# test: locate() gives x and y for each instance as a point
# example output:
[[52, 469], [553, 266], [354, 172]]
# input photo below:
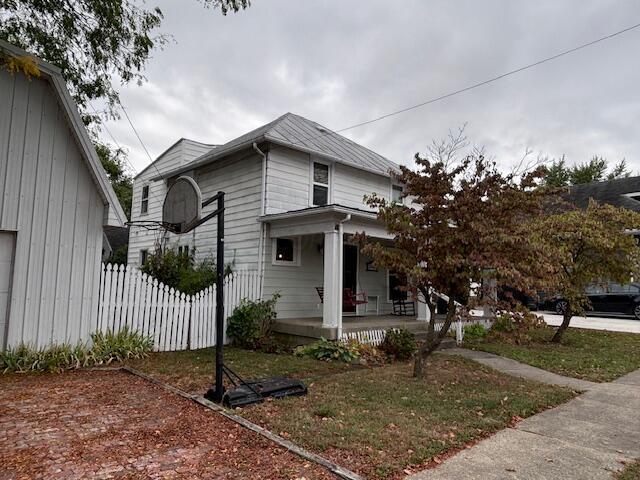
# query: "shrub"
[[125, 344], [399, 344], [519, 328], [328, 350], [368, 354], [181, 270], [475, 331], [105, 348], [251, 323]]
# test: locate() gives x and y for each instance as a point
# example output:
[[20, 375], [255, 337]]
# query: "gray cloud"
[[340, 63]]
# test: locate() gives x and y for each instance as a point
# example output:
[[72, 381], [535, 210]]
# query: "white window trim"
[[312, 182], [395, 184], [148, 186], [296, 252]]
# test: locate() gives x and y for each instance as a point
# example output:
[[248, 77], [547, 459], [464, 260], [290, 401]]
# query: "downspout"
[[340, 273], [263, 228]]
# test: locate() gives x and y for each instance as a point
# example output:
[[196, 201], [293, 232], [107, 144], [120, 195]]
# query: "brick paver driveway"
[[115, 425]]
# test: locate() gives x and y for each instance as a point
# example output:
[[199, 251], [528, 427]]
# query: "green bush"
[[399, 344], [475, 331], [181, 270], [109, 347], [328, 350], [104, 349], [251, 323], [518, 328]]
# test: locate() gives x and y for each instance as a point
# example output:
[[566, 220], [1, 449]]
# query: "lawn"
[[598, 356], [378, 421], [193, 371], [631, 472]]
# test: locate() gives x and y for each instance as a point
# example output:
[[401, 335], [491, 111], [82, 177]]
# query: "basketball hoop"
[[182, 207]]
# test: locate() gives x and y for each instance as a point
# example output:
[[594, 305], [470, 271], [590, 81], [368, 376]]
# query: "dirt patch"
[[115, 425]]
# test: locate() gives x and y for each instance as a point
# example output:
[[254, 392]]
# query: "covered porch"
[[330, 287]]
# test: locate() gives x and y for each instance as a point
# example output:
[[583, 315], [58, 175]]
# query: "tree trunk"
[[557, 337], [433, 339]]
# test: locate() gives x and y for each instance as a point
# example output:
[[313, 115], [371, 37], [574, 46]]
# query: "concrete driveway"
[[612, 324]]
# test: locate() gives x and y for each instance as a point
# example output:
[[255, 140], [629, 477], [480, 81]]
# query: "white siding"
[[289, 182], [180, 153], [296, 284], [240, 177], [50, 200]]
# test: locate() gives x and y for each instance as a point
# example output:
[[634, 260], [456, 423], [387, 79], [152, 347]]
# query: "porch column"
[[424, 315], [332, 302]]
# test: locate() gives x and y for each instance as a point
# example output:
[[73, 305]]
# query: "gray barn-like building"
[[55, 199]]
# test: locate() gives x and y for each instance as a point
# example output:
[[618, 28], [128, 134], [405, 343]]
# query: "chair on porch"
[[349, 298], [401, 304]]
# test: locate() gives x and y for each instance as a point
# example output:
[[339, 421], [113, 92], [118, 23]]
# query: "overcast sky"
[[339, 63]]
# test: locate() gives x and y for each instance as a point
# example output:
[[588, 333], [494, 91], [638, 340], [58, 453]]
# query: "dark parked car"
[[606, 298]]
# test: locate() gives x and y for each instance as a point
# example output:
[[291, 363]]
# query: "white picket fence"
[[174, 320]]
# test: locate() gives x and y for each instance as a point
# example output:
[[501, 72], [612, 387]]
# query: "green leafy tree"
[[93, 42], [466, 219], [585, 246], [113, 162], [559, 174]]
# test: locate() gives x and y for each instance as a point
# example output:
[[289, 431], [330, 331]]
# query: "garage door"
[[6, 270]]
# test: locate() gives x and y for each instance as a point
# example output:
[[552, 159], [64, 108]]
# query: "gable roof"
[[116, 216], [177, 144], [299, 133], [611, 192]]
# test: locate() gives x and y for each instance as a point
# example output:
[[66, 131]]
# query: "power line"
[[479, 84]]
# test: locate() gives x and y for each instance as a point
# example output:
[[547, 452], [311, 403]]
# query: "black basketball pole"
[[218, 392], [220, 299]]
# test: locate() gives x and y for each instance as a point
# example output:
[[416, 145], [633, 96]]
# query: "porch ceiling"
[[314, 220]]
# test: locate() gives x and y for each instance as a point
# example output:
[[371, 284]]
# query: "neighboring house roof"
[[52, 73], [612, 192], [299, 133], [117, 236], [174, 145]]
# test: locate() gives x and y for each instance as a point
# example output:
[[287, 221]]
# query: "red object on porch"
[[350, 299]]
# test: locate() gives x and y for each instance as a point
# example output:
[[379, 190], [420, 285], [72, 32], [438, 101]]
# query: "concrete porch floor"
[[304, 330]]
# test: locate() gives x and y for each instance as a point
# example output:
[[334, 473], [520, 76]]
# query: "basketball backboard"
[[182, 205]]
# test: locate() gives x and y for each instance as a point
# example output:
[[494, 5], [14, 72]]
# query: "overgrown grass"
[[103, 349], [598, 356], [375, 420], [631, 472]]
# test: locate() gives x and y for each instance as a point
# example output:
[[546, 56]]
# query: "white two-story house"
[[294, 199]]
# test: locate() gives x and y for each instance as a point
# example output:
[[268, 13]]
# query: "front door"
[[7, 240], [350, 274]]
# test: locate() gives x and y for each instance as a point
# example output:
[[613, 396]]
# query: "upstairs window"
[[396, 193], [320, 184], [144, 203]]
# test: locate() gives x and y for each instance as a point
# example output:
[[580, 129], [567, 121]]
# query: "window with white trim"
[[144, 203], [396, 193], [320, 184], [183, 250], [144, 256], [286, 251]]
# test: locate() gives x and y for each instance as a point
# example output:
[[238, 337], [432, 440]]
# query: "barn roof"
[[299, 133], [52, 73], [613, 192]]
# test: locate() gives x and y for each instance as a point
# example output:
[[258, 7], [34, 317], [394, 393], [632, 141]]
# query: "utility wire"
[[479, 84]]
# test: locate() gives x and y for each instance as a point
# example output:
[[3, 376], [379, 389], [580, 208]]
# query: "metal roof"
[[612, 192], [294, 131]]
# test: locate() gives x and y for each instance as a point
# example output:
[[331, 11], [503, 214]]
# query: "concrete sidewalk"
[[588, 437]]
